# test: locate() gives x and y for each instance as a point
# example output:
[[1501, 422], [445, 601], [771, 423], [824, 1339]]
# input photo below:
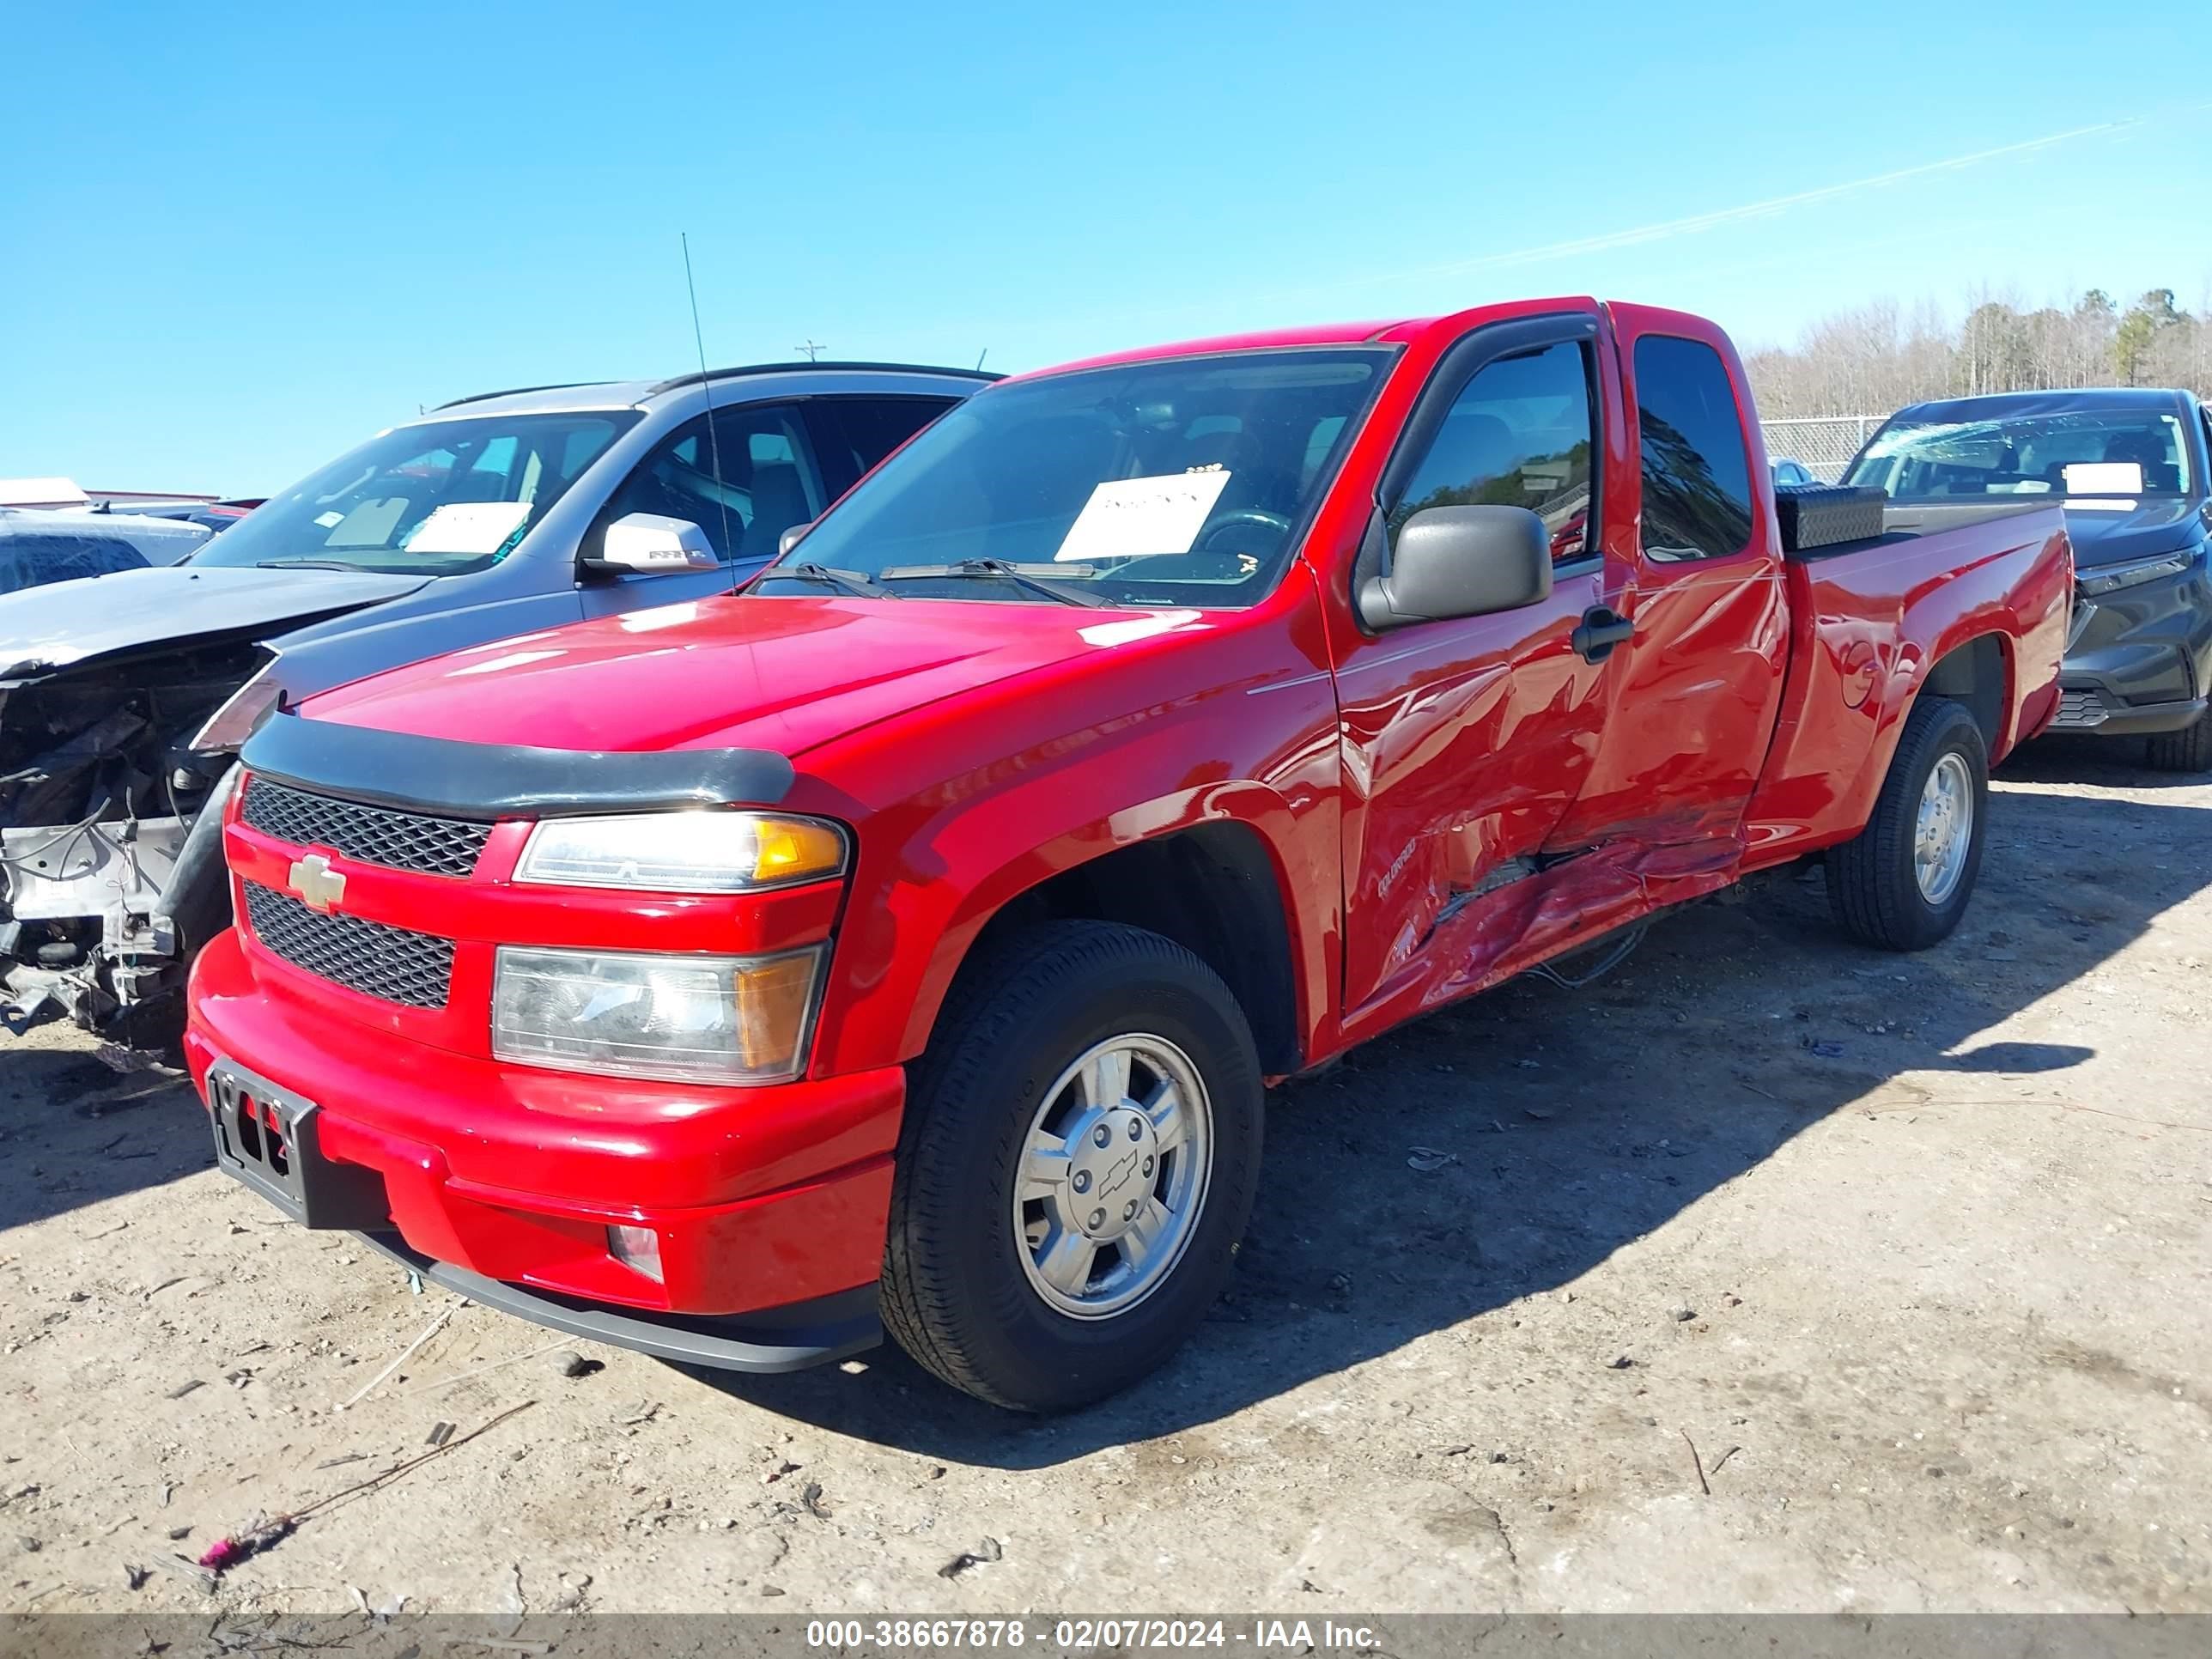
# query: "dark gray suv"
[[2133, 468], [124, 698]]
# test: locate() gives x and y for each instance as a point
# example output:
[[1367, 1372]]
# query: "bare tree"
[[1872, 358]]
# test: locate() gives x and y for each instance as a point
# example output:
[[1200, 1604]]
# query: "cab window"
[[1519, 435], [743, 483], [1696, 472]]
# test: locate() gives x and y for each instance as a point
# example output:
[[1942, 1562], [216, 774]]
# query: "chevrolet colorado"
[[909, 941]]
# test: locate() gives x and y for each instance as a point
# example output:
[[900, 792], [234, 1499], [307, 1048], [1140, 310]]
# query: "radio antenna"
[[714, 440], [980, 355]]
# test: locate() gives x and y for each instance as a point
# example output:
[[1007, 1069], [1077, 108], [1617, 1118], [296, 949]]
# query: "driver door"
[[1466, 741]]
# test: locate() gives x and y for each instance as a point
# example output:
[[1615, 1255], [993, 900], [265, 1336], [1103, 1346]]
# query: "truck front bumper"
[[788, 1339], [768, 1205]]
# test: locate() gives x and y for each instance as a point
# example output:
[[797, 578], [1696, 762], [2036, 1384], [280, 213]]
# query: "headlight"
[[712, 1020], [240, 715], [2111, 577], [709, 851]]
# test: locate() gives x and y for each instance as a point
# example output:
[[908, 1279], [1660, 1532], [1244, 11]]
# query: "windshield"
[[435, 499], [2123, 452], [1172, 483]]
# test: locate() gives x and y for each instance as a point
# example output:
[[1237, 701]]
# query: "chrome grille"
[[374, 835], [395, 964]]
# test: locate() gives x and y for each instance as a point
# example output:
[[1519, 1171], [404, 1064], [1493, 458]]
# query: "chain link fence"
[[1825, 444]]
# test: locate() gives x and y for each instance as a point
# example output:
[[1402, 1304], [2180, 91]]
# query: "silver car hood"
[[43, 628]]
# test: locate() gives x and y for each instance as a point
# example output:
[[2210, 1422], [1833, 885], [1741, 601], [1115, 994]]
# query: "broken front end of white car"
[[114, 774]]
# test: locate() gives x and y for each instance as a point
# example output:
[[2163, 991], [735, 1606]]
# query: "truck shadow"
[[73, 1133], [1554, 1128], [2107, 763]]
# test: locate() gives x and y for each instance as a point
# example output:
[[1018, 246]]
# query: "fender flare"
[[1255, 808]]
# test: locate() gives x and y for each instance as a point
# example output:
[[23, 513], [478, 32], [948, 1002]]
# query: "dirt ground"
[[1770, 1273]]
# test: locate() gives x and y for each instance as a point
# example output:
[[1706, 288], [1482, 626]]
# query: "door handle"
[[1599, 631]]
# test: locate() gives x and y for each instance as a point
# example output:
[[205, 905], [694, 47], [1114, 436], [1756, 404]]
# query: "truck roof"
[[570, 397], [1320, 334], [1387, 331]]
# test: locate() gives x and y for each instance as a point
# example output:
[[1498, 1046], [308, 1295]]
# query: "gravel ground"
[[1769, 1274]]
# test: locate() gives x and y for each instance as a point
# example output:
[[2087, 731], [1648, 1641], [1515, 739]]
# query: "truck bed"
[[1871, 620]]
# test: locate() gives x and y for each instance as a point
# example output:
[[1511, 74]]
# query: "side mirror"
[[1460, 561], [651, 545], [789, 539]]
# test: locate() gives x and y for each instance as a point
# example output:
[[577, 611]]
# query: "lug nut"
[[1148, 1166], [1103, 1135], [1097, 1219], [1082, 1182], [1136, 1129], [1129, 1210]]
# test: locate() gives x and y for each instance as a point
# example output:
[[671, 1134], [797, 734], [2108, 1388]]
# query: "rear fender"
[[1862, 652], [1929, 673]]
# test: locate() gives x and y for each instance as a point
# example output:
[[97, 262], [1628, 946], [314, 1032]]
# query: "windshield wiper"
[[845, 581], [303, 564], [1064, 593]]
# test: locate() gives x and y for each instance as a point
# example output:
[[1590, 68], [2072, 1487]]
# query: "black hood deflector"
[[485, 783]]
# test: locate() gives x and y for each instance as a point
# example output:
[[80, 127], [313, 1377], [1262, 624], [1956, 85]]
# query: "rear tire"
[[2189, 750], [996, 1277], [1903, 883]]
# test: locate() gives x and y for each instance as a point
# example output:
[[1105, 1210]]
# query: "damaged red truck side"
[[908, 940]]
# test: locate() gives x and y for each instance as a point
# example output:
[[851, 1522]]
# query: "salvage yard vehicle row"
[[124, 698]]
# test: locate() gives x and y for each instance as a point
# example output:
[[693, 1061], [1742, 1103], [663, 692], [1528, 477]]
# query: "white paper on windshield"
[[2105, 478], [1128, 518], [468, 527], [369, 523]]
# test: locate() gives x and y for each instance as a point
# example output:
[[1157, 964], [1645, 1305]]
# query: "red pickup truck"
[[909, 940]]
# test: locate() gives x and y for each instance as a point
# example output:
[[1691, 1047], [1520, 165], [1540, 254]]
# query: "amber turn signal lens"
[[775, 994], [709, 850], [795, 849]]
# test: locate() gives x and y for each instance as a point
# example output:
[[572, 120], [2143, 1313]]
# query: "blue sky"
[[236, 240]]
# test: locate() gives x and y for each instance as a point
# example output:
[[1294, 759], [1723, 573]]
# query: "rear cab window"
[[1696, 467]]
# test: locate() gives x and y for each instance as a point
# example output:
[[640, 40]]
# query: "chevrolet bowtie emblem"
[[314, 883]]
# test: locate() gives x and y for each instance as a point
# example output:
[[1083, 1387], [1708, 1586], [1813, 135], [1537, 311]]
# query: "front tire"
[[1076, 1167], [2189, 750], [1903, 883]]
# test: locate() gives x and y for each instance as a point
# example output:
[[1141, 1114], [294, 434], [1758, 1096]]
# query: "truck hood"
[[2143, 531], [47, 627], [785, 674]]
